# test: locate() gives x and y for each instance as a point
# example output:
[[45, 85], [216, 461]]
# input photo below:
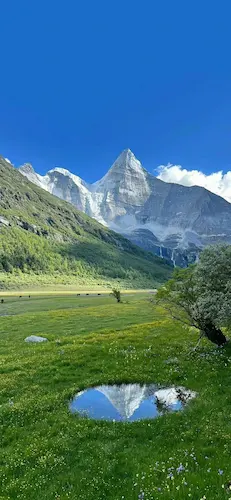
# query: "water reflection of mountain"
[[127, 398]]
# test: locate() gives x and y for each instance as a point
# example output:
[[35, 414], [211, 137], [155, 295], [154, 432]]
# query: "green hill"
[[44, 240]]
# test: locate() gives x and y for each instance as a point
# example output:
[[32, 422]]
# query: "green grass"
[[48, 453]]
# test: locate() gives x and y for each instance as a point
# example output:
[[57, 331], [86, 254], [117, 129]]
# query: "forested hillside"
[[46, 240]]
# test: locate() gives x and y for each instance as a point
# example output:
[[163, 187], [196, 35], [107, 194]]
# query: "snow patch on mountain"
[[8, 161], [77, 180]]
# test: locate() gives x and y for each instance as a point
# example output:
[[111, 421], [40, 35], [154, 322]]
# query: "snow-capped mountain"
[[170, 220]]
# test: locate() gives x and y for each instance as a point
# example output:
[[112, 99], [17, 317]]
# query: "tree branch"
[[198, 342], [178, 318]]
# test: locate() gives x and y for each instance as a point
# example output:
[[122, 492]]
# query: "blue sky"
[[83, 80]]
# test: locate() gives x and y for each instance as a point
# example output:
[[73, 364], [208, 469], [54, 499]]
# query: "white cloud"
[[217, 182]]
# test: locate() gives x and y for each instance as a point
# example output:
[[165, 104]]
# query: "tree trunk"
[[214, 334]]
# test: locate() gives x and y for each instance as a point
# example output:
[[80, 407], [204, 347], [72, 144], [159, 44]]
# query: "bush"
[[117, 294]]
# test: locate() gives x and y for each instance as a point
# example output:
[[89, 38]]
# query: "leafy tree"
[[117, 294], [200, 296]]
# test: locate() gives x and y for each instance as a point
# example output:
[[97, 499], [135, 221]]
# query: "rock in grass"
[[170, 361], [34, 338]]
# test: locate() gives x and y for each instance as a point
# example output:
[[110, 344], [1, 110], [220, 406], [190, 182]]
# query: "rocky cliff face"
[[169, 220]]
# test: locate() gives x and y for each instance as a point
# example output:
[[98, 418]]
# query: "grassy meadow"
[[48, 453]]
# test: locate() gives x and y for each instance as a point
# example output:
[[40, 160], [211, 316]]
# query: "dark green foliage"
[[117, 294], [200, 296], [42, 234]]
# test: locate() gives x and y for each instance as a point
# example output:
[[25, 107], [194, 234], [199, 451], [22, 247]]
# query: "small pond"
[[129, 402]]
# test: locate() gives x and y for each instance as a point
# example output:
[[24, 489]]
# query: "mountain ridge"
[[43, 235], [132, 201], [67, 172]]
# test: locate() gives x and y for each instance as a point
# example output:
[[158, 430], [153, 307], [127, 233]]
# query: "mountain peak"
[[125, 182], [127, 152], [124, 163], [126, 157], [26, 168], [60, 170], [28, 171], [66, 173]]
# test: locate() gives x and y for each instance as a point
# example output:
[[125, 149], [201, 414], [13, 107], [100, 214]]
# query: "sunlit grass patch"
[[49, 453]]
